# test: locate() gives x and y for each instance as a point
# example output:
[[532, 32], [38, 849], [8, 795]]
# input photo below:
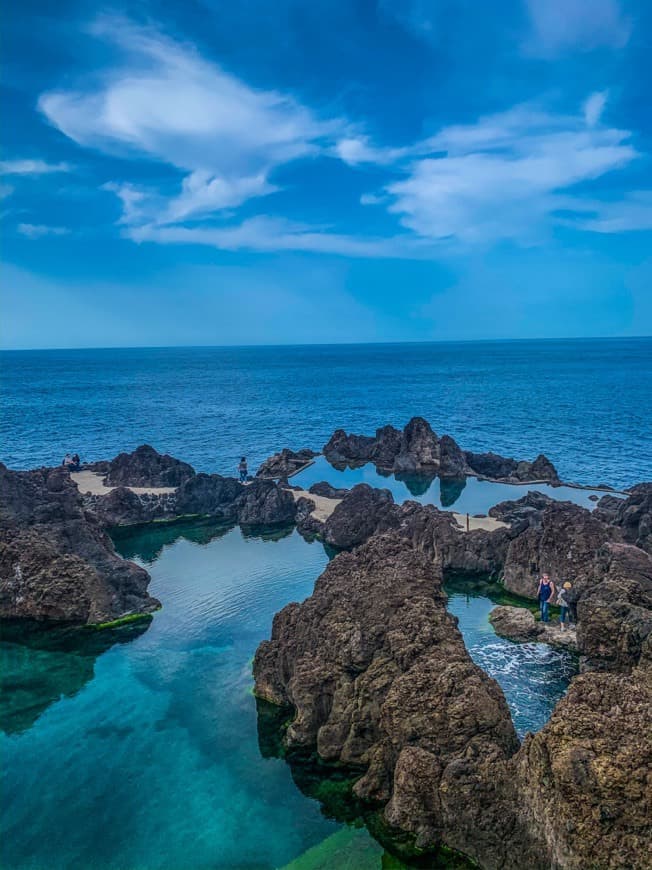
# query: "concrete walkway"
[[90, 483]]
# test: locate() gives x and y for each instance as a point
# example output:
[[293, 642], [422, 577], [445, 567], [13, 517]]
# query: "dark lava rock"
[[452, 461], [344, 449], [607, 508], [515, 623], [264, 503], [56, 562], [362, 512], [285, 463], [327, 491], [495, 467], [634, 516], [146, 467], [419, 450], [122, 506], [526, 510], [380, 679], [387, 445], [381, 685], [210, 495]]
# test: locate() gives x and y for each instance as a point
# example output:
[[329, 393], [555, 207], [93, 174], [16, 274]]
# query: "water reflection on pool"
[[470, 495]]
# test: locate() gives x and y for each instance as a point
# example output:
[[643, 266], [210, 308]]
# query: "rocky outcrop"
[[494, 467], [145, 467], [583, 780], [563, 544], [286, 463], [518, 624], [325, 489], [380, 680], [632, 515], [56, 562], [122, 506], [419, 450], [210, 495], [363, 512], [380, 684], [523, 512], [263, 503]]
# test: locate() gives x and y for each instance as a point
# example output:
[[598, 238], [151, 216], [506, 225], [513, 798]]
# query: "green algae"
[[120, 621], [348, 849]]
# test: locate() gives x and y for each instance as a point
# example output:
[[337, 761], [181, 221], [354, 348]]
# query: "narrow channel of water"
[[144, 754]]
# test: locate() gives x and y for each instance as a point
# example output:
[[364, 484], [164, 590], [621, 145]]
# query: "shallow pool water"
[[471, 495], [143, 754]]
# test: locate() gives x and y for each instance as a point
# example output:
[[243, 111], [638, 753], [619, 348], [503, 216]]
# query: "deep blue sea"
[[586, 404], [138, 749]]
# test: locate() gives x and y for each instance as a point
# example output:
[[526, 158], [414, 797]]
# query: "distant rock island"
[[370, 673]]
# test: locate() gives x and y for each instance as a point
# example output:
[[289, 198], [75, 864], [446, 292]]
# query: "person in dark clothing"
[[242, 468], [544, 593], [76, 462]]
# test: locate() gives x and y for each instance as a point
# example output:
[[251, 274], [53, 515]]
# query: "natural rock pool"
[[470, 495], [145, 754]]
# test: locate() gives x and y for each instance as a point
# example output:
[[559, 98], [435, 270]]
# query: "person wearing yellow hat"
[[562, 602]]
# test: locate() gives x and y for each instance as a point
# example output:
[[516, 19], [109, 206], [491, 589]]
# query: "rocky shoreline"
[[372, 667]]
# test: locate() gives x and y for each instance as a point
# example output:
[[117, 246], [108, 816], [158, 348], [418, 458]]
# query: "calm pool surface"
[[470, 496], [144, 756]]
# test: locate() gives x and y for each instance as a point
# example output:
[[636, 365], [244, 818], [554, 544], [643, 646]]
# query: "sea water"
[[145, 755], [586, 404]]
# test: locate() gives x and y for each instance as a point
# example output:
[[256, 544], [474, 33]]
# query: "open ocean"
[[587, 404]]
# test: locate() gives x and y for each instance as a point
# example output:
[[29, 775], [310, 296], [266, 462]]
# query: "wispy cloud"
[[508, 175], [163, 100], [32, 167], [559, 26], [37, 231], [266, 233]]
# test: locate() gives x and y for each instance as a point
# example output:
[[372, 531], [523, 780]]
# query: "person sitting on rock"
[[67, 461], [563, 603], [76, 462], [544, 593], [242, 468]]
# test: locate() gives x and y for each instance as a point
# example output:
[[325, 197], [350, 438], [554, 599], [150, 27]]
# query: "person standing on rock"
[[563, 603], [544, 593], [242, 468]]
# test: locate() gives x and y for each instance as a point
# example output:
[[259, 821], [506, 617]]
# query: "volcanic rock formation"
[[286, 463], [418, 450], [146, 467], [56, 562]]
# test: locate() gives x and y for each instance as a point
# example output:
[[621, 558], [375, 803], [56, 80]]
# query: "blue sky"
[[336, 170]]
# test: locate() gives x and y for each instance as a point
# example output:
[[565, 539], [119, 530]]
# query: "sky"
[[209, 173]]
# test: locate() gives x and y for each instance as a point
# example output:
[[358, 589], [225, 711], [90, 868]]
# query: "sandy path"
[[489, 524], [90, 482], [324, 507]]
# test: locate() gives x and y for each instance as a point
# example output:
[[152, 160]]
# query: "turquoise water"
[[585, 404], [144, 756], [468, 496]]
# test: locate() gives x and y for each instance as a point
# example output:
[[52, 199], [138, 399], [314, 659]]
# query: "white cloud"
[[507, 175], [631, 212], [32, 167], [265, 233], [37, 231], [162, 100], [594, 107], [563, 25]]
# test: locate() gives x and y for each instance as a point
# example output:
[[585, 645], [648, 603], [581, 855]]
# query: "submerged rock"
[[56, 562], [145, 467], [327, 491]]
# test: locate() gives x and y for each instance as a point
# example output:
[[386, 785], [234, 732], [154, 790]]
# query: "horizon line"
[[325, 344]]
